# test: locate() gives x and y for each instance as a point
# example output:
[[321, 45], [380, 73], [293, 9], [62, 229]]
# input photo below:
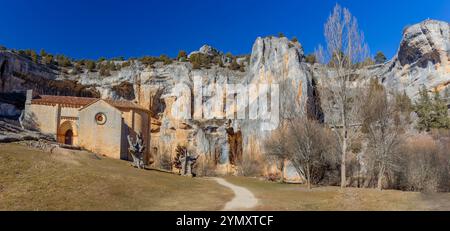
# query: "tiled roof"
[[56, 99], [83, 101], [125, 104]]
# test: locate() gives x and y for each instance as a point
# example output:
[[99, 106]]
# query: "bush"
[[200, 60], [311, 58], [163, 161], [43, 53], [34, 56], [165, 59], [294, 39], [120, 58], [90, 65], [182, 56], [229, 55], [48, 59], [380, 58], [148, 60], [126, 64], [425, 166], [63, 61], [205, 167], [76, 69], [249, 166]]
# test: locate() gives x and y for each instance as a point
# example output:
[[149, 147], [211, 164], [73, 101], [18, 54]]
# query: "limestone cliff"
[[423, 59]]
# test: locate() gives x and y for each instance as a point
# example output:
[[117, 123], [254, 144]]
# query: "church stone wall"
[[104, 139], [43, 117]]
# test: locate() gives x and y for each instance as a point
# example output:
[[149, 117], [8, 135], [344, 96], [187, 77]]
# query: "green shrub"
[[63, 61], [380, 58], [126, 64], [90, 65], [200, 60], [120, 58], [182, 56], [311, 58], [48, 59], [34, 56], [165, 59]]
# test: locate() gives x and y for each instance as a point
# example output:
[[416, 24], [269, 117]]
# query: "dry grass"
[[34, 180], [277, 196]]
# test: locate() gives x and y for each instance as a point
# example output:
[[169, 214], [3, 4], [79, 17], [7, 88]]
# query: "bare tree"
[[382, 130], [344, 55], [306, 144], [276, 148]]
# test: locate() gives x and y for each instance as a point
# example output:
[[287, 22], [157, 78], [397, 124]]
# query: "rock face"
[[18, 73], [275, 63], [11, 132], [278, 61], [423, 59], [207, 50], [225, 140]]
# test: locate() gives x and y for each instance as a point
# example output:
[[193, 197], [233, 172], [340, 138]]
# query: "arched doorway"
[[67, 133], [68, 137]]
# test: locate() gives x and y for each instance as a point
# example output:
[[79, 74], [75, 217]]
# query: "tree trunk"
[[308, 178], [343, 155], [282, 171], [380, 178]]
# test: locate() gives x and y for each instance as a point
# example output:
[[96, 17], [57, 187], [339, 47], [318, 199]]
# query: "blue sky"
[[133, 28]]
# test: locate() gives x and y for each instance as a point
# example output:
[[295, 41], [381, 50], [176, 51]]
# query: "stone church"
[[97, 125]]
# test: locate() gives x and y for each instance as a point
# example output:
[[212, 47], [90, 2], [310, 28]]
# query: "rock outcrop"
[[423, 59], [18, 73], [206, 50], [225, 140], [11, 132]]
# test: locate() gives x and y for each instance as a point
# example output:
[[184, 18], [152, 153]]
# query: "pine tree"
[[34, 56], [432, 112], [43, 53], [380, 58], [182, 56], [440, 117], [423, 108]]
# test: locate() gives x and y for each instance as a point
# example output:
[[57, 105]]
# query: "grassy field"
[[34, 180], [277, 196]]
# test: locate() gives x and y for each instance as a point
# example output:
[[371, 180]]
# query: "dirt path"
[[243, 198]]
